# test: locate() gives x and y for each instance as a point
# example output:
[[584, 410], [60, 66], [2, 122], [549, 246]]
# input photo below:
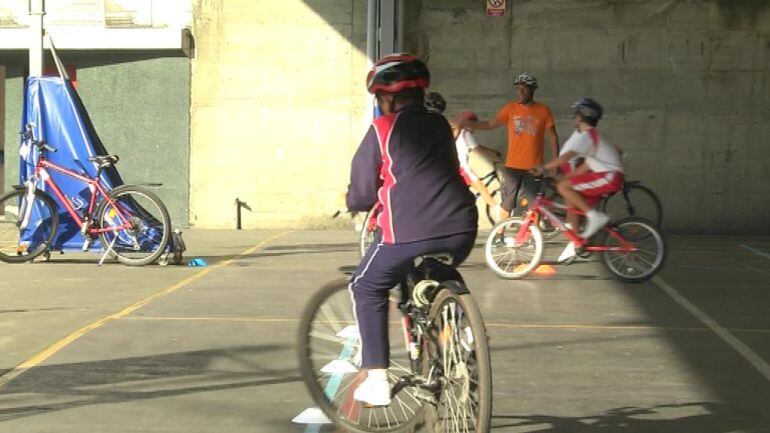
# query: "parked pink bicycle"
[[131, 222]]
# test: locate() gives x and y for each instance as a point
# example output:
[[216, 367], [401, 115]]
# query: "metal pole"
[[36, 12], [372, 32], [400, 26], [387, 27], [237, 214]]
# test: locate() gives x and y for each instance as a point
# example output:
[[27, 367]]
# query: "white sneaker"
[[595, 220], [373, 392], [568, 253]]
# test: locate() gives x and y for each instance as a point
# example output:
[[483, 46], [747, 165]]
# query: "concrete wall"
[[2, 127], [14, 63], [139, 103], [278, 101], [686, 86]]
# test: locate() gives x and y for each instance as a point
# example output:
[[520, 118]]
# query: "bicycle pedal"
[[86, 245], [425, 396]]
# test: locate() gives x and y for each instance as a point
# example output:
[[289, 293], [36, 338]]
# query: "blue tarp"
[[59, 118]]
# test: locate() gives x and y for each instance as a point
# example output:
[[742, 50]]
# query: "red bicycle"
[[632, 248], [131, 222]]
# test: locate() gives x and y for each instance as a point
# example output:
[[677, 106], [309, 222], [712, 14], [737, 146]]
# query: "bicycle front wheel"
[[136, 225], [491, 218], [645, 260], [27, 227], [458, 359], [329, 355], [368, 232], [635, 200], [511, 254]]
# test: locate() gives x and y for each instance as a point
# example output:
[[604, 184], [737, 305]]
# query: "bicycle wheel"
[[329, 351], [635, 200], [458, 355], [641, 264], [510, 254], [495, 194], [138, 225], [368, 233], [20, 241]]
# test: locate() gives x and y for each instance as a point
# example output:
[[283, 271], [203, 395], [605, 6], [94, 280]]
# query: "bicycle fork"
[[29, 197]]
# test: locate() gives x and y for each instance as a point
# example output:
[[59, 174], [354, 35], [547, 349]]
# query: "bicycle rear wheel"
[[22, 241], [635, 200], [329, 351], [458, 355], [510, 254], [138, 224], [641, 264]]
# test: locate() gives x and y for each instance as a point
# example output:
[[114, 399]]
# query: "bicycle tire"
[[518, 265], [143, 244], [320, 343], [366, 236], [473, 346], [640, 201], [626, 265], [46, 210]]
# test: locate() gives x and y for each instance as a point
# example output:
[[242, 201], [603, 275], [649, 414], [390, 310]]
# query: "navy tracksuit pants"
[[381, 269]]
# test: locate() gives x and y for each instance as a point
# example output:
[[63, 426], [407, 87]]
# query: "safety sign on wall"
[[495, 8]]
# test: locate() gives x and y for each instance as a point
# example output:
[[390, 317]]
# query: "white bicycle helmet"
[[526, 79]]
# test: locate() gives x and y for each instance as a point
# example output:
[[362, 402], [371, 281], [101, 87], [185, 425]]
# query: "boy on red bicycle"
[[600, 172]]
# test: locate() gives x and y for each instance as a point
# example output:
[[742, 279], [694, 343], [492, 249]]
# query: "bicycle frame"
[[94, 185], [543, 206]]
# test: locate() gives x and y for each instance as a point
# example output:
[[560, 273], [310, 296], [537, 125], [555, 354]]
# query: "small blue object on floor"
[[197, 262]]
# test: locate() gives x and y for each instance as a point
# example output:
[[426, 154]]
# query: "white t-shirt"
[[600, 155], [465, 143]]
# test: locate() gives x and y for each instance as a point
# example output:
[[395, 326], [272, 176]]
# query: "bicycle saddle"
[[104, 161]]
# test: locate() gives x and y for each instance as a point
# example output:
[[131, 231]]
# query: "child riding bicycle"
[[600, 173], [407, 164]]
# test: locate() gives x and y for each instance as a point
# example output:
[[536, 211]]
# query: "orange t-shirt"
[[526, 130]]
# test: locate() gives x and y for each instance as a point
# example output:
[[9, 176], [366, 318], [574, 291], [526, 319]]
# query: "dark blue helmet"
[[435, 102], [588, 109]]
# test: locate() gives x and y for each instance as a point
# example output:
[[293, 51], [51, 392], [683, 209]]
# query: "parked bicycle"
[[632, 248], [442, 378], [131, 222]]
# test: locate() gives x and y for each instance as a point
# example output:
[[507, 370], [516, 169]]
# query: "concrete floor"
[[186, 349]]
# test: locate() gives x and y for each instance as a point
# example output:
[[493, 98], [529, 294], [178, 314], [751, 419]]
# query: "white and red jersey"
[[464, 144], [600, 155]]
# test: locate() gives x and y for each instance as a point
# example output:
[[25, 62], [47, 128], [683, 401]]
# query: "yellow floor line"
[[59, 345], [489, 325]]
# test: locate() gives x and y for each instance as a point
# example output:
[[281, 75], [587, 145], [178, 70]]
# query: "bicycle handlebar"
[[41, 145]]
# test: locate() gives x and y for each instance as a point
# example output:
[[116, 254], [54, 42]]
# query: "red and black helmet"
[[395, 72]]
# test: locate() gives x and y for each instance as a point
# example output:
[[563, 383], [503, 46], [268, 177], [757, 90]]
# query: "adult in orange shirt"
[[529, 122]]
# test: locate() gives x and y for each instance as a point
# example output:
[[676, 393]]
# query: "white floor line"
[[749, 355], [756, 251]]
